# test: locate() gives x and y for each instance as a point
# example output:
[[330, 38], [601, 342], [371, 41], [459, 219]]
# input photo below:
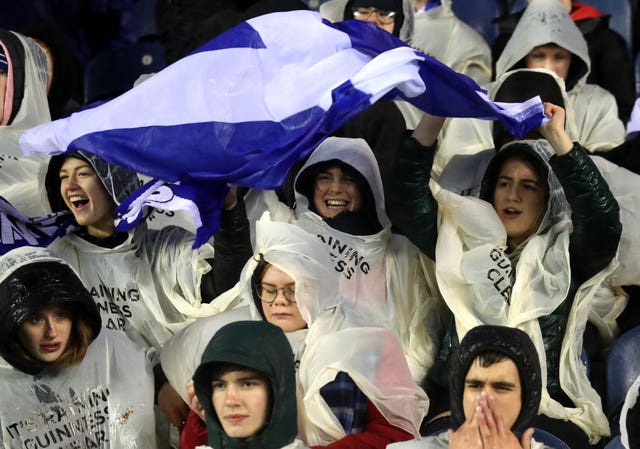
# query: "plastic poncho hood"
[[302, 257], [537, 154], [339, 10], [354, 153], [117, 180], [31, 279], [547, 22], [262, 347], [517, 346], [25, 96]]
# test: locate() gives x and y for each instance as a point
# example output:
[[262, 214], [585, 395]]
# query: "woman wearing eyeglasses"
[[395, 16], [354, 385]]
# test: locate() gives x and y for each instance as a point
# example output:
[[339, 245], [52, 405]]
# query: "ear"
[[192, 400]]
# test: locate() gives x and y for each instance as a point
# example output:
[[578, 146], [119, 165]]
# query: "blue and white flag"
[[17, 230], [248, 104]]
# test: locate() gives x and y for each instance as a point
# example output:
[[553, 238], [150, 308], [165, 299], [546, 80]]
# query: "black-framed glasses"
[[268, 293], [385, 17]]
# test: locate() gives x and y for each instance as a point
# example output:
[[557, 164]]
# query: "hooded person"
[[468, 137], [611, 66], [493, 361], [147, 283], [522, 255], [382, 123], [591, 112], [65, 381], [463, 174], [546, 27], [266, 374], [23, 104], [341, 365], [340, 199], [399, 22]]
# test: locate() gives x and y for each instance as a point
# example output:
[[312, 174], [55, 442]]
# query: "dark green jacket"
[[260, 346], [593, 241]]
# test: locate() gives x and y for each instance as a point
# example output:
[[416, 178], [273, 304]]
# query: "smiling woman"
[[86, 197], [147, 282]]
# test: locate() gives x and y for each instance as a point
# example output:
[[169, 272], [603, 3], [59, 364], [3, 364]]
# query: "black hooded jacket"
[[517, 346], [31, 286], [259, 346]]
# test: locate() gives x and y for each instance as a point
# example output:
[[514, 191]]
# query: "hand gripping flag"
[[249, 103]]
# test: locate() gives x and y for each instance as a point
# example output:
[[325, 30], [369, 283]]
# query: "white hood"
[[357, 154], [34, 107], [334, 11], [547, 22]]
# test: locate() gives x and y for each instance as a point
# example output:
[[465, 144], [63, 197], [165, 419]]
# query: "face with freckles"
[[519, 199], [86, 197]]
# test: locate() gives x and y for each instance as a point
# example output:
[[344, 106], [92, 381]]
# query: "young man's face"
[[500, 380], [519, 200], [241, 401]]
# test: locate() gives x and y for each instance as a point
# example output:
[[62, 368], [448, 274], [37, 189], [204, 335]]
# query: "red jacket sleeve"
[[194, 432], [377, 433]]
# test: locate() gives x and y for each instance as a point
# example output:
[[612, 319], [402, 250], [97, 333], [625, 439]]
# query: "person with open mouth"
[[529, 252]]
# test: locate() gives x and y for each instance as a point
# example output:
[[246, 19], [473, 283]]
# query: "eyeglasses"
[[384, 17], [269, 293]]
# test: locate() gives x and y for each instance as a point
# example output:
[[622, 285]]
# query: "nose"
[[336, 186], [547, 63], [512, 193], [70, 182], [51, 330], [231, 398], [281, 299], [373, 18]]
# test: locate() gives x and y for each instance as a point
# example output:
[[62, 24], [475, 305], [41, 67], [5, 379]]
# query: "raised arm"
[[594, 210], [554, 131], [412, 208], [232, 248]]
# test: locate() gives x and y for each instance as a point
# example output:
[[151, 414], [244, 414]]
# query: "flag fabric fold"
[[17, 230], [246, 106]]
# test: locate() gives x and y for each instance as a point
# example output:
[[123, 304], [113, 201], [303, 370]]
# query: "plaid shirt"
[[347, 403]]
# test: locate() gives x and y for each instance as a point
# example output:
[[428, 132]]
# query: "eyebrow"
[[509, 178], [275, 285], [77, 167], [497, 384]]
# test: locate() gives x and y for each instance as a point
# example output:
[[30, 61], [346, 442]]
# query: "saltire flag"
[[17, 230], [251, 102]]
